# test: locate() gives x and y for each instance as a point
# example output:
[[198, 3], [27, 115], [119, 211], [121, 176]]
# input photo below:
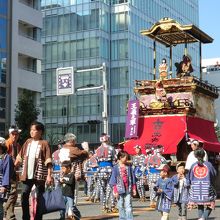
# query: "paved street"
[[91, 211]]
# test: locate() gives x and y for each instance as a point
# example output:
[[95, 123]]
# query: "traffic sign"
[[65, 81]]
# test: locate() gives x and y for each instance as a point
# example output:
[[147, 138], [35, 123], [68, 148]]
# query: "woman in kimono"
[[36, 160], [201, 177]]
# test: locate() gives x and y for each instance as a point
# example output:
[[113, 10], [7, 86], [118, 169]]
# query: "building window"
[[119, 77], [120, 49]]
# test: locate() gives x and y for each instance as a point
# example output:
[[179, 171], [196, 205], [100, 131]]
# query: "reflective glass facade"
[[3, 59], [86, 33]]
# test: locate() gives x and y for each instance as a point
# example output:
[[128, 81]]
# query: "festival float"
[[173, 107]]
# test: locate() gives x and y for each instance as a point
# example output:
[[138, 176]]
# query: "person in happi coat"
[[56, 164], [139, 171], [123, 182], [202, 193], [149, 151], [90, 168], [181, 190], [154, 161], [105, 155], [164, 191], [36, 159]]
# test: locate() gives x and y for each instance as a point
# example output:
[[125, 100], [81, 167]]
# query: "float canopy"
[[169, 32]]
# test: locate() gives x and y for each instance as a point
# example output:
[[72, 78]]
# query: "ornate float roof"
[[169, 32], [184, 84]]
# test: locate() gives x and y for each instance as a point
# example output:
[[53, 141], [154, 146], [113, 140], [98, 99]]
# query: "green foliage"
[[25, 113], [217, 131]]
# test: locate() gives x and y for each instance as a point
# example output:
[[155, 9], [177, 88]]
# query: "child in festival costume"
[[181, 190], [201, 176], [122, 180], [164, 191]]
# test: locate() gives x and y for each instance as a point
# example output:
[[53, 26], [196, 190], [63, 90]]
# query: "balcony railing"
[[34, 38], [30, 69], [31, 4]]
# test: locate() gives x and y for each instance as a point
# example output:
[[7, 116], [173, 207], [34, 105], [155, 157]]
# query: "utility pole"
[[105, 96], [105, 100]]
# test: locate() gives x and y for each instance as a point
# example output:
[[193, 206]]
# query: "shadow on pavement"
[[211, 218]]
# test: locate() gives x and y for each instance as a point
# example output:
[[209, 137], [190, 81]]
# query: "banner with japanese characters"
[[132, 119]]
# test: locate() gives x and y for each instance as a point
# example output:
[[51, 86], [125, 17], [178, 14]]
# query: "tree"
[[25, 113], [217, 131]]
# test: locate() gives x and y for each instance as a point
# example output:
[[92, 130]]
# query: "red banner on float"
[[170, 130]]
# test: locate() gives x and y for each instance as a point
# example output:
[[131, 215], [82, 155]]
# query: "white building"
[[25, 52], [211, 73]]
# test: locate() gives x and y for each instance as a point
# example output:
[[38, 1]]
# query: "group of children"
[[184, 189]]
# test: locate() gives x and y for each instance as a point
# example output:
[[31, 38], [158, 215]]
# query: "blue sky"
[[209, 22]]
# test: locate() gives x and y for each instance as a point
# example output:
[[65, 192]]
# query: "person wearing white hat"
[[12, 142], [13, 148], [191, 159], [138, 167]]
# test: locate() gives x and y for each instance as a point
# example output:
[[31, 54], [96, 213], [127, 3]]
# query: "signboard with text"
[[65, 81], [132, 119]]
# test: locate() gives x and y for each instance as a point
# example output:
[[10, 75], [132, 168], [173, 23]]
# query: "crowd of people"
[[112, 176], [190, 186]]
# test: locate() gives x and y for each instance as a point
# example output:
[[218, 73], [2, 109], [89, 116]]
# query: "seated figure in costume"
[[160, 95], [184, 68], [163, 68]]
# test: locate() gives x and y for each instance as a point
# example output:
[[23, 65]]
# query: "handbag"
[[51, 201]]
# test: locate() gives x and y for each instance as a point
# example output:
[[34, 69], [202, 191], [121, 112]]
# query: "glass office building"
[[86, 33], [3, 61]]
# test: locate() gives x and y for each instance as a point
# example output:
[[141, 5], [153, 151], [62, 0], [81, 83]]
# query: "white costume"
[[191, 159]]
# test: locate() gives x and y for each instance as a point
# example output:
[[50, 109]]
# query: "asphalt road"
[[92, 211]]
